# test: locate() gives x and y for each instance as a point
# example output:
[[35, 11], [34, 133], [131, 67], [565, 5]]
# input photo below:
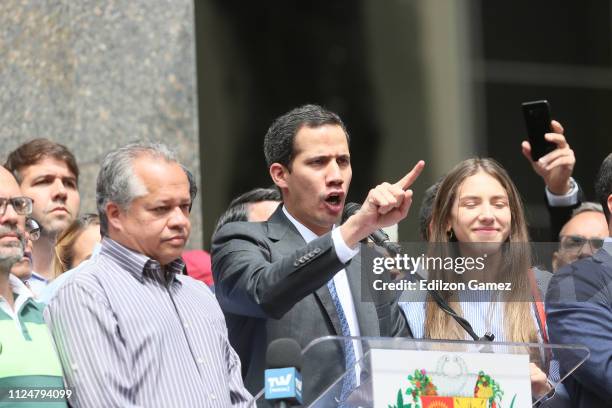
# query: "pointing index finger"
[[410, 178]]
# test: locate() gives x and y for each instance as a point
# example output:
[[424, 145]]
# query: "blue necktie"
[[349, 383]]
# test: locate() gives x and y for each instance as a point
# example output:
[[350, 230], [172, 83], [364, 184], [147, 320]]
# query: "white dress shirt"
[[345, 253]]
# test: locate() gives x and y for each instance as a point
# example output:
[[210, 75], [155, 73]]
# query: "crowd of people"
[[110, 306]]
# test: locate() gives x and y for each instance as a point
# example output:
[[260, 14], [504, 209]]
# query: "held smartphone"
[[537, 119]]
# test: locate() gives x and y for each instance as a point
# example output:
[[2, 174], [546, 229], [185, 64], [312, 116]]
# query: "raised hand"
[[385, 205], [556, 167]]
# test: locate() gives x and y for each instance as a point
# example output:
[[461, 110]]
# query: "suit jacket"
[[271, 285], [558, 216], [579, 311]]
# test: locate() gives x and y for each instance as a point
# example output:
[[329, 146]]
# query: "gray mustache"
[[4, 230]]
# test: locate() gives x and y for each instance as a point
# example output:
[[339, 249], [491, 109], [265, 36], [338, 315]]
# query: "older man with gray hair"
[[27, 356], [582, 235], [131, 329]]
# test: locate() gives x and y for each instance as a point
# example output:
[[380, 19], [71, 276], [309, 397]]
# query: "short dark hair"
[[279, 140], [603, 185], [426, 210], [34, 151], [238, 207]]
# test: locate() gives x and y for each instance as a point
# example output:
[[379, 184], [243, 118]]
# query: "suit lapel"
[[279, 226], [288, 238], [281, 230]]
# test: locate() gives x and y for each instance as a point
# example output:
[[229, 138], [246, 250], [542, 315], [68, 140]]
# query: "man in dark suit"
[[579, 311], [297, 275]]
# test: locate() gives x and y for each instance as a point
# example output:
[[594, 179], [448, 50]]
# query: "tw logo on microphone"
[[283, 383]]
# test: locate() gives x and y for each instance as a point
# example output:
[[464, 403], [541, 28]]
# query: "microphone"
[[283, 381], [379, 237]]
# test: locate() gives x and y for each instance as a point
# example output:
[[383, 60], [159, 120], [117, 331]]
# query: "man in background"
[[47, 172], [582, 235], [23, 268], [579, 311], [255, 205]]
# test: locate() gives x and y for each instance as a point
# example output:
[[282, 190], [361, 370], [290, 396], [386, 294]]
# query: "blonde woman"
[[478, 207]]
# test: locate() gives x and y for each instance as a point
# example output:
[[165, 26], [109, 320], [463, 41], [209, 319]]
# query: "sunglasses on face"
[[576, 242], [21, 205]]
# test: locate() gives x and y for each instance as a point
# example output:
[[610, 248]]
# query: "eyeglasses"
[[21, 205], [576, 242], [33, 229]]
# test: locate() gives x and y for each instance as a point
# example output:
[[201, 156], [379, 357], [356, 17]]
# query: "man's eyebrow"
[[42, 177], [328, 156], [54, 175], [318, 156], [170, 200]]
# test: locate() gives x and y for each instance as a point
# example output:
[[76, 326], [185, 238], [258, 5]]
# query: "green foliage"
[[485, 380], [421, 383], [400, 402]]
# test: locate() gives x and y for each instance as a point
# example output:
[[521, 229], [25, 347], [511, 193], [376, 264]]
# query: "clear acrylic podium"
[[361, 392]]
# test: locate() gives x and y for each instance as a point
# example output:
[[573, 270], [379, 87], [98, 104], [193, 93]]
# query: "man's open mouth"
[[334, 198]]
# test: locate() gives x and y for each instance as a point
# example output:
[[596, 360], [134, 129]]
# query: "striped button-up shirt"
[[133, 333]]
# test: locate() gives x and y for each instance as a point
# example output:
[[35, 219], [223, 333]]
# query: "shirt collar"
[[18, 287], [23, 295], [608, 245], [139, 265], [307, 234], [36, 276]]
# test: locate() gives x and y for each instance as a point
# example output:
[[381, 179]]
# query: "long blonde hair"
[[517, 328]]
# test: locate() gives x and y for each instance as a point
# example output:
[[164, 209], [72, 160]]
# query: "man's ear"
[[555, 261], [113, 213], [610, 203], [279, 174]]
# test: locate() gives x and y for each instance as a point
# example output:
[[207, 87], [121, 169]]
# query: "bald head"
[[6, 177], [591, 224], [580, 237], [12, 225]]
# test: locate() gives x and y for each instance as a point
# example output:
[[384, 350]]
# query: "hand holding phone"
[[537, 120], [558, 159]]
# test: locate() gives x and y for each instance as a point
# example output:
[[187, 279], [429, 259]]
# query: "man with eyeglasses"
[[48, 173], [27, 355], [582, 235], [579, 311]]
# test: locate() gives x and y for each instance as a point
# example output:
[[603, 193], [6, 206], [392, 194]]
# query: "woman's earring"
[[450, 234]]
